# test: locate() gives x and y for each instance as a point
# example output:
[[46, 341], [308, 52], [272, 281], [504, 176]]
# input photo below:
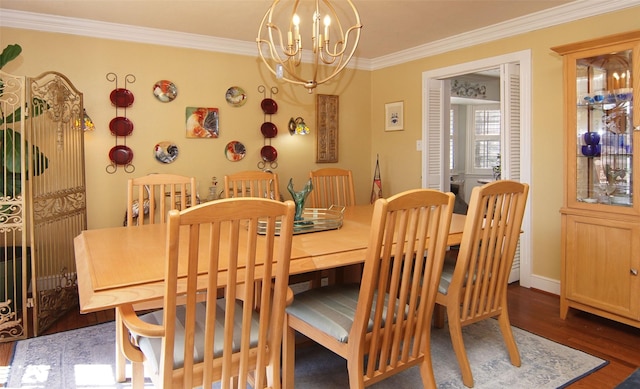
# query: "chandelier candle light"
[[284, 55]]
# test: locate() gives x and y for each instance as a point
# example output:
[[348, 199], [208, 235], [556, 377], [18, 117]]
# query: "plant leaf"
[[11, 154], [9, 53]]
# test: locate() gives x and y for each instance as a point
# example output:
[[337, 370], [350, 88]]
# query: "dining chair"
[[381, 326], [252, 184], [158, 193], [227, 244], [474, 284], [332, 186]]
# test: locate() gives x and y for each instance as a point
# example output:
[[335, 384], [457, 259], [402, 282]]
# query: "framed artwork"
[[394, 116], [202, 122], [327, 128]]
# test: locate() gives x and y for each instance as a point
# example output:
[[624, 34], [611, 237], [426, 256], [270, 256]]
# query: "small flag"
[[376, 188]]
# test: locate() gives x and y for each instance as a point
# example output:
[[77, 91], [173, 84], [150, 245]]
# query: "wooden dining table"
[[125, 265]]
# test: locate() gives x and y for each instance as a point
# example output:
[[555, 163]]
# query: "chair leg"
[[507, 334], [426, 371], [120, 359], [356, 375], [438, 316], [455, 330], [288, 355], [137, 375]]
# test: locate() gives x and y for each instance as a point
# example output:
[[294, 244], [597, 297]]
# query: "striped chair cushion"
[[152, 346], [447, 275], [330, 309]]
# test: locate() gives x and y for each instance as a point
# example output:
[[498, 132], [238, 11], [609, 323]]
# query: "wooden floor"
[[532, 310]]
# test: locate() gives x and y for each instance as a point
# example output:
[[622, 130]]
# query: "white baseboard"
[[545, 284]]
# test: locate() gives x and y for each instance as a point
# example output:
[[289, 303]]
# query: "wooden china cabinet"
[[601, 206]]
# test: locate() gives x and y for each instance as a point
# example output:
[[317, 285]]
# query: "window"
[[484, 138]]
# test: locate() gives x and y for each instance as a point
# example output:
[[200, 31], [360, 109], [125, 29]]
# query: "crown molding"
[[65, 25], [554, 16], [122, 32]]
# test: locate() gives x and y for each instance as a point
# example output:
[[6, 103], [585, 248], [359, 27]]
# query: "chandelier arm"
[[341, 65], [344, 42]]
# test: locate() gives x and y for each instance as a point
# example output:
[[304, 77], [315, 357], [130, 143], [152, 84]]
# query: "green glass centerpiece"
[[299, 198]]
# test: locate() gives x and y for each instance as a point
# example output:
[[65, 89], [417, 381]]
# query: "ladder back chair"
[[474, 285], [382, 326], [252, 184], [151, 197], [332, 186], [227, 244]]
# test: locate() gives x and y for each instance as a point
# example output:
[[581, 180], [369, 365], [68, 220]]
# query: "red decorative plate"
[[269, 106], [268, 153], [121, 126], [121, 97], [269, 130], [121, 155]]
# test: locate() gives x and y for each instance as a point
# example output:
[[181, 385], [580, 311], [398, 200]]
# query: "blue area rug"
[[84, 358], [631, 382]]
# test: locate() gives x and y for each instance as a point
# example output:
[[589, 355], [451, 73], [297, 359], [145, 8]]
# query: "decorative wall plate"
[[269, 130], [268, 153], [236, 96], [121, 155], [269, 106], [235, 151], [121, 97], [121, 126], [165, 91], [166, 152]]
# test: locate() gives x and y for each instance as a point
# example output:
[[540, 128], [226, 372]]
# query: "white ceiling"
[[389, 26]]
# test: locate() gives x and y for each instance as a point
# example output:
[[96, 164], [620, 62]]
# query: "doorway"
[[515, 139]]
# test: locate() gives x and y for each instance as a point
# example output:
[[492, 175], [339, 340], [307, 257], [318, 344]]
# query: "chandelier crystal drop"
[[330, 45]]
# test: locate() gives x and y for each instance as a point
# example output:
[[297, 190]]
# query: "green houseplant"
[[10, 140]]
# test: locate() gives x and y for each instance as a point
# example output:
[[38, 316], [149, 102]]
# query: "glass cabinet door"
[[604, 129]]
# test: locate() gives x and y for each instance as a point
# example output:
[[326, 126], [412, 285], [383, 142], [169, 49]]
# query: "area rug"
[[84, 358]]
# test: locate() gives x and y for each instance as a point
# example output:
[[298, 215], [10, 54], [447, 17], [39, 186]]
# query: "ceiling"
[[389, 26]]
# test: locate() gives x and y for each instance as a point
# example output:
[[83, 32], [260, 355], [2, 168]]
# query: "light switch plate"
[[419, 145]]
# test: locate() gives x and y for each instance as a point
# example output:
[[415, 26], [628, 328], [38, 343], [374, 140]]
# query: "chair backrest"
[[252, 184], [332, 186], [489, 242], [403, 278], [242, 240], [151, 197]]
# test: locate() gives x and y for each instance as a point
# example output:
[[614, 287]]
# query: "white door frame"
[[523, 58]]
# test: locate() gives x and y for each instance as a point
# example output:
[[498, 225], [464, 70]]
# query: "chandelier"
[[330, 46]]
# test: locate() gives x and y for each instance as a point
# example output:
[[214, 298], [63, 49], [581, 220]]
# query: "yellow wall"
[[401, 168], [203, 77]]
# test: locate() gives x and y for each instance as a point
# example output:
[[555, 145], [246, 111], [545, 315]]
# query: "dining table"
[[125, 265]]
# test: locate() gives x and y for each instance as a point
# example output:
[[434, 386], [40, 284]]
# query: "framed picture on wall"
[[394, 116]]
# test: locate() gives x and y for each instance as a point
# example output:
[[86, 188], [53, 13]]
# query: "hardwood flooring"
[[529, 309]]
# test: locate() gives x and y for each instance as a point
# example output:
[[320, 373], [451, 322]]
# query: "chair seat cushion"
[[331, 309], [447, 275], [152, 347]]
